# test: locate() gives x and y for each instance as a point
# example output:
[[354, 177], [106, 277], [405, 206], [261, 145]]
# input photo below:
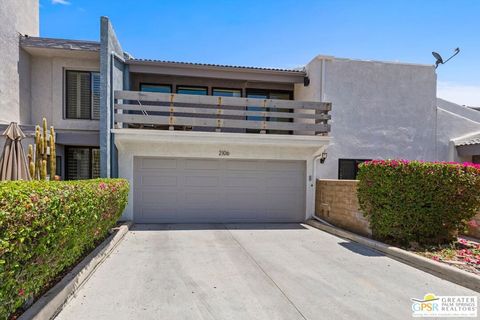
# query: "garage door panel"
[[243, 165], [200, 190], [158, 180], [284, 166], [158, 196], [157, 163], [202, 181], [285, 181], [239, 181], [200, 164]]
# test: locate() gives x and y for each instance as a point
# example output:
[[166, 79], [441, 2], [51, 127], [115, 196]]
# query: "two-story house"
[[216, 143]]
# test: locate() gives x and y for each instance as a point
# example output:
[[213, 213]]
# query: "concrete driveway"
[[269, 271]]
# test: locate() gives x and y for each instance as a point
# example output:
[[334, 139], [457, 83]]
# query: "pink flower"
[[21, 292], [463, 241], [102, 186], [436, 258], [467, 259], [473, 223]]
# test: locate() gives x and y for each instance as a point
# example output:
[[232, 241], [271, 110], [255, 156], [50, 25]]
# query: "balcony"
[[164, 111]]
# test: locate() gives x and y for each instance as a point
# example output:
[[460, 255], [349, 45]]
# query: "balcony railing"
[[135, 109]]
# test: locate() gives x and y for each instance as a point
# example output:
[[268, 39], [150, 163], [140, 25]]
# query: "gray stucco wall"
[[111, 79], [17, 17], [454, 121], [380, 110], [47, 90]]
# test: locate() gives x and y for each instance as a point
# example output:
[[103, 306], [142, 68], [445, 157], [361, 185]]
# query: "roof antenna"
[[439, 57]]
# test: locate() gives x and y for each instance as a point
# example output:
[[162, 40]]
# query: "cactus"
[[31, 164], [38, 154], [53, 154]]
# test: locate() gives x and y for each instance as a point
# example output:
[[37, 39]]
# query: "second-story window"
[[202, 91], [82, 95]]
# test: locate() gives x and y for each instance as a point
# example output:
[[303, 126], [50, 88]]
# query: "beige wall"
[[16, 17], [336, 202], [47, 97]]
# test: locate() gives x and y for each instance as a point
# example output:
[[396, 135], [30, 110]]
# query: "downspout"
[[318, 155]]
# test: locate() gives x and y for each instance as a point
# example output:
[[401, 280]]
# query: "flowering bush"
[[415, 201], [462, 253], [46, 226]]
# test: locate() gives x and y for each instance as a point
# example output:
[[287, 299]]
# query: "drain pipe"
[[314, 185]]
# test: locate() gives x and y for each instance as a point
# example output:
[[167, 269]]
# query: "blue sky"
[[286, 33]]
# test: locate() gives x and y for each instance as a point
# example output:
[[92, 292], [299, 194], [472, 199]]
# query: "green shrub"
[[423, 202], [46, 226]]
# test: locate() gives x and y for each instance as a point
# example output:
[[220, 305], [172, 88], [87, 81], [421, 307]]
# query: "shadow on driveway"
[[219, 226]]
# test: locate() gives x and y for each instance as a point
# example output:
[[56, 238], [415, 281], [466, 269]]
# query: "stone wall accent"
[[336, 202]]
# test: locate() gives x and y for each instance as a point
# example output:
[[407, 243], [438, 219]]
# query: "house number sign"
[[223, 153]]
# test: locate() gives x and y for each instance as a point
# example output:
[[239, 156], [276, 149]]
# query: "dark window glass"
[[95, 95], [348, 168], [227, 92], [476, 159], [95, 163], [256, 95], [82, 163], [58, 167], [192, 90], [268, 94], [82, 95], [280, 96], [155, 88]]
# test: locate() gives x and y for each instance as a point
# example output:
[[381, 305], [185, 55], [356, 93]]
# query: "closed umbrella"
[[13, 164]]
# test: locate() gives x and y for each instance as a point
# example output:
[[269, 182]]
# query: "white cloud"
[[64, 2], [458, 93]]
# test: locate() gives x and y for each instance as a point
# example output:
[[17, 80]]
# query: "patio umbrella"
[[13, 164]]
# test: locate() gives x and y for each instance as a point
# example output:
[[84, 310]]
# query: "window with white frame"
[[82, 95]]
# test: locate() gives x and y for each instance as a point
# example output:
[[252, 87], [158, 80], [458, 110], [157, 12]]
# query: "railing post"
[[219, 113], [172, 110], [264, 122]]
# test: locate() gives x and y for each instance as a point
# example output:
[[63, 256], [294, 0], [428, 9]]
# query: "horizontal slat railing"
[[227, 112], [225, 101], [173, 110]]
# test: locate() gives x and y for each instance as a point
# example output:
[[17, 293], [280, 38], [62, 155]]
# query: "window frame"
[[154, 84], [65, 93], [90, 165], [223, 88], [195, 87], [355, 168]]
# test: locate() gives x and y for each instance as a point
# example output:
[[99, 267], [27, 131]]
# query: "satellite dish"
[[440, 59]]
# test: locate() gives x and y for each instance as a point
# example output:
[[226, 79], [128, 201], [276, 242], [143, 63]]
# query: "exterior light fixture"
[[306, 81], [323, 157]]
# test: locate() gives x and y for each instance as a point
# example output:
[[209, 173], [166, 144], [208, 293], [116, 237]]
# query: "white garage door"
[[209, 191]]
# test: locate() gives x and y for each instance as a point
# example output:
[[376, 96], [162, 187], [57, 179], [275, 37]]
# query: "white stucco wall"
[[380, 110], [47, 95], [16, 17], [454, 121]]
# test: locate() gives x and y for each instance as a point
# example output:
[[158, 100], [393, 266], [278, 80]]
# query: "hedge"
[[47, 226], [418, 202]]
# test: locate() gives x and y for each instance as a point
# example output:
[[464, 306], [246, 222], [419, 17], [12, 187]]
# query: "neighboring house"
[[215, 143]]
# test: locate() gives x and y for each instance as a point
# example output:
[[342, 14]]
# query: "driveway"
[[267, 271]]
